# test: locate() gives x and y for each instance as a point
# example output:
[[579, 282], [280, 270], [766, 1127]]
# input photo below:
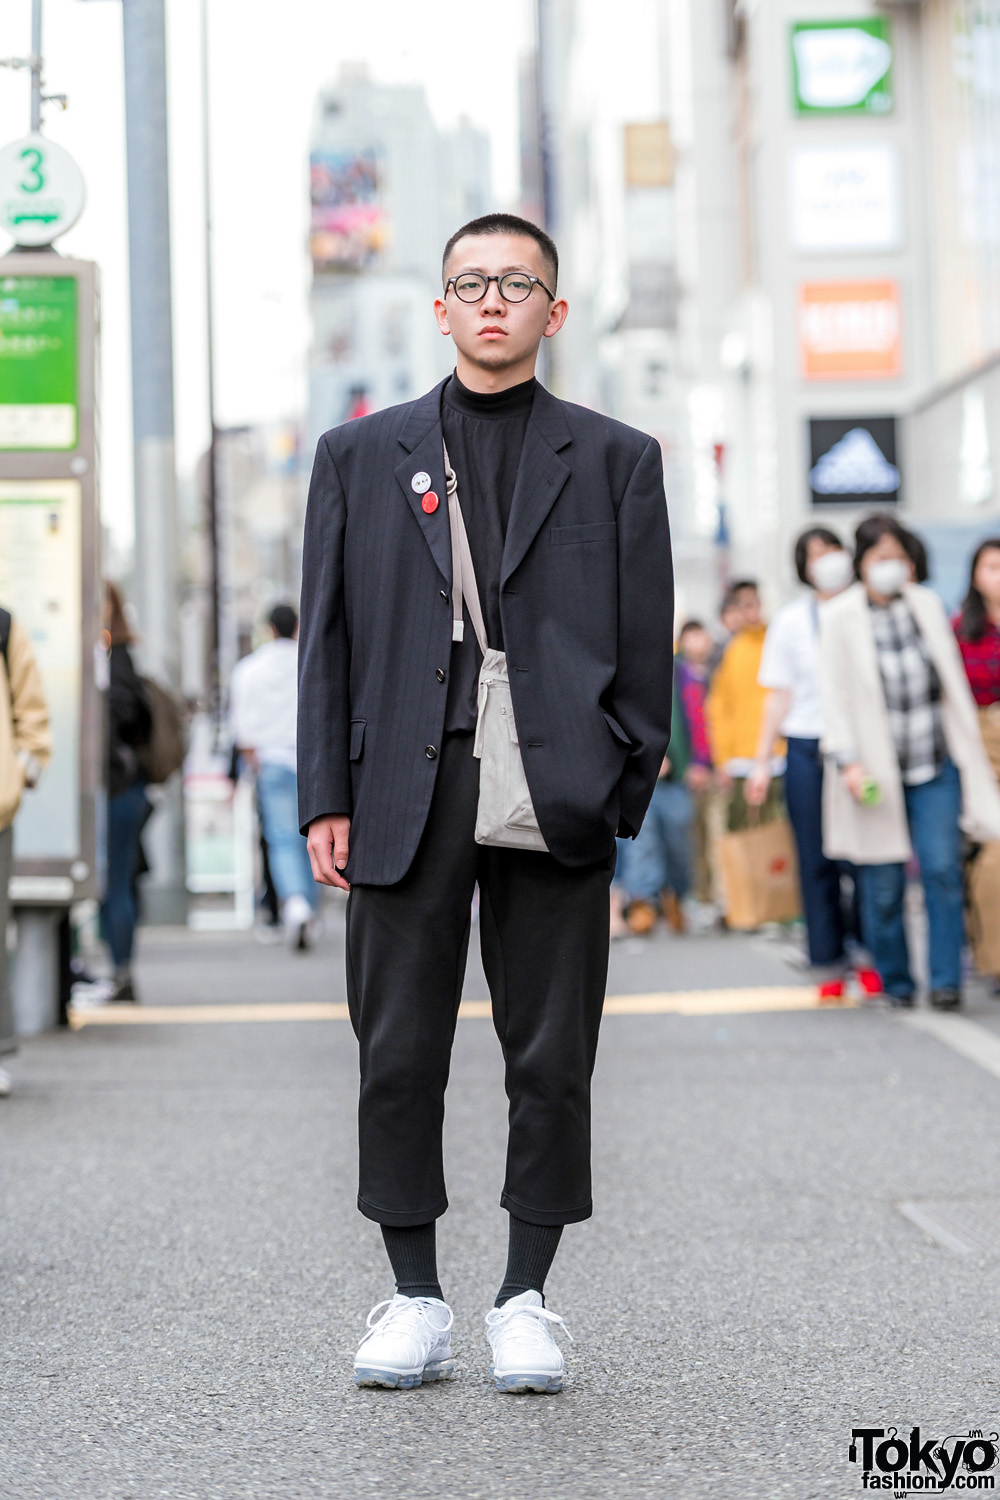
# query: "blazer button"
[[440, 674], [444, 596], [431, 753]]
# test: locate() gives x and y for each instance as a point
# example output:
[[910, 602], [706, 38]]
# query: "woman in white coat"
[[900, 724]]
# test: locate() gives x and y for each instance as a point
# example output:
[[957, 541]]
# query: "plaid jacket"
[[912, 693]]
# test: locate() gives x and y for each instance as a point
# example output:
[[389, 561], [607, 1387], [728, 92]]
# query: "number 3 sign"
[[41, 191]]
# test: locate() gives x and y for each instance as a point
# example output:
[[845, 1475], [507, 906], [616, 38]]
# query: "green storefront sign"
[[38, 362], [842, 67]]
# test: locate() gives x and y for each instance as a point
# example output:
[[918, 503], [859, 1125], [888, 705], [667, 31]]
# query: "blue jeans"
[[932, 811], [126, 815], [287, 855], [830, 918], [661, 856]]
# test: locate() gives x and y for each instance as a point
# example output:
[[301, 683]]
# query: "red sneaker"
[[831, 992], [869, 982]]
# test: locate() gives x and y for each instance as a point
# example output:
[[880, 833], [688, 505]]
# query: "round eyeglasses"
[[514, 286]]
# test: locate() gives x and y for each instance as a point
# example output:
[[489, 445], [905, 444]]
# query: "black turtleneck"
[[484, 437]]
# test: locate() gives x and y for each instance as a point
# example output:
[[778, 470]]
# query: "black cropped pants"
[[544, 935]]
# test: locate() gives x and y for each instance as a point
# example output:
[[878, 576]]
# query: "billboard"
[[845, 198], [842, 67], [850, 330], [852, 461], [38, 362], [348, 226]]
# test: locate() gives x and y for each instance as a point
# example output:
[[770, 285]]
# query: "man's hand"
[[698, 777], [329, 847]]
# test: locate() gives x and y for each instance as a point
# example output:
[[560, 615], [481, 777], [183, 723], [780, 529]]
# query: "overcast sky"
[[268, 58]]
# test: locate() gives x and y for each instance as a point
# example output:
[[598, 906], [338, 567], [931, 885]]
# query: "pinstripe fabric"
[[586, 602]]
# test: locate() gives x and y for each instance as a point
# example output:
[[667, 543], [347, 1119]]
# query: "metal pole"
[[156, 567], [212, 486], [36, 66]]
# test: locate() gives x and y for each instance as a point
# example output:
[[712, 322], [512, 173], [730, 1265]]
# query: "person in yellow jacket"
[[25, 747], [734, 708]]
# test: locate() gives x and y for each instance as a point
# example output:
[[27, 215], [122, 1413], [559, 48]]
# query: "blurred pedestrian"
[[735, 709], [790, 671], [486, 523], [900, 722], [129, 729], [691, 672], [25, 749], [660, 867], [977, 627], [262, 710], [730, 621]]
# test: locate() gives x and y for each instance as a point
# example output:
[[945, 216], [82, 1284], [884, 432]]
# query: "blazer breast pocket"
[[358, 727], [591, 531]]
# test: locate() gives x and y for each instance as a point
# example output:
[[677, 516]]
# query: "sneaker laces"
[[410, 1315], [505, 1319]]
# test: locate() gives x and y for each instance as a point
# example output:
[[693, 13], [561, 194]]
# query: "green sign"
[[842, 67], [38, 362]]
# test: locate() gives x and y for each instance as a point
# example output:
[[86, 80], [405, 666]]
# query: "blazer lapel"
[[421, 435], [541, 475]]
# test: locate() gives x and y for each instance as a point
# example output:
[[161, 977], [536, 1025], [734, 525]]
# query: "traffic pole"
[[156, 592]]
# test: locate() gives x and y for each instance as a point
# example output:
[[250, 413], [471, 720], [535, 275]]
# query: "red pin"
[[430, 502]]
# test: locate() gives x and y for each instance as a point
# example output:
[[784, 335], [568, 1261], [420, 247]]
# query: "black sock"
[[413, 1256], [530, 1253]]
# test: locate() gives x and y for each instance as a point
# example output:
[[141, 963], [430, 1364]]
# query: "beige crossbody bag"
[[505, 816]]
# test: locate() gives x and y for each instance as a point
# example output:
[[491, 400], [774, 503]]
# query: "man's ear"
[[558, 313], [441, 313]]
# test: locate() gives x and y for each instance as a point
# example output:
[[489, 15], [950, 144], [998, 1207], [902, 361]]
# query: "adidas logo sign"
[[854, 466]]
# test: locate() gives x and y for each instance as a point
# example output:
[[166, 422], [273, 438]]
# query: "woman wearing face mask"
[[900, 724], [978, 630], [790, 671]]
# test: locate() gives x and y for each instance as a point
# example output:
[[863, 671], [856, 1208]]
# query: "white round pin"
[[420, 483]]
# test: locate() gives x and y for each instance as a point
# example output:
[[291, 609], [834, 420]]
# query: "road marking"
[[670, 1002], [976, 1042]]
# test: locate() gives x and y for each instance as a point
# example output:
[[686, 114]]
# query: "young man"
[[567, 527], [262, 710]]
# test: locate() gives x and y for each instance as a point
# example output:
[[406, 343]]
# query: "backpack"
[[163, 753]]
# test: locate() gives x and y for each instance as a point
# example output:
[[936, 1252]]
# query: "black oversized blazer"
[[586, 600]]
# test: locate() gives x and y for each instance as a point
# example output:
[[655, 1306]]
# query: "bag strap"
[[5, 624], [463, 573]]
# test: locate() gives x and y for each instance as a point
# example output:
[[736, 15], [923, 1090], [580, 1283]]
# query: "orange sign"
[[850, 330]]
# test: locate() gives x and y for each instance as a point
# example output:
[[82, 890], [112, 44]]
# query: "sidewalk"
[[187, 1276]]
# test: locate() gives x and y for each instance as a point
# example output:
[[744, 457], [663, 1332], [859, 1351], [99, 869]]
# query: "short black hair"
[[689, 625], [284, 620], [738, 587], [507, 224], [871, 531], [814, 534]]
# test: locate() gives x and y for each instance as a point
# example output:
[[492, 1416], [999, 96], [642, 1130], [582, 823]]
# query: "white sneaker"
[[91, 995], [296, 918], [525, 1355], [6, 1083], [410, 1343]]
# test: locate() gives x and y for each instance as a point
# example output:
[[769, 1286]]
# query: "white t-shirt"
[[791, 660], [263, 698]]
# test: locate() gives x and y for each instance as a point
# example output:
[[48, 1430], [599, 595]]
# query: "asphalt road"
[[185, 1277]]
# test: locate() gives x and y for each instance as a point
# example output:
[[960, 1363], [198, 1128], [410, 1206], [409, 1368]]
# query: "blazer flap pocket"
[[358, 727], [616, 729], [593, 531]]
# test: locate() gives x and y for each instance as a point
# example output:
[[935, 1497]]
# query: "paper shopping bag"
[[983, 886], [760, 874]]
